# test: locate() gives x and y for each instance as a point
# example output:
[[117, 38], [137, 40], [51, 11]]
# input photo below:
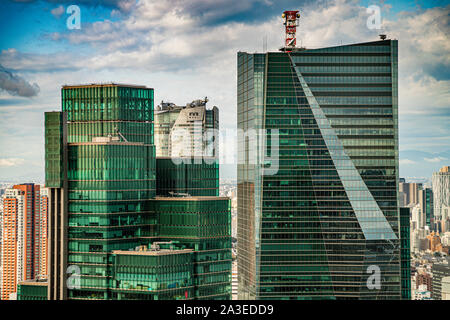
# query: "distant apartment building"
[[43, 227], [234, 281], [445, 288], [418, 218], [23, 250], [186, 131], [410, 192], [441, 193], [422, 293], [424, 278], [426, 206], [439, 271]]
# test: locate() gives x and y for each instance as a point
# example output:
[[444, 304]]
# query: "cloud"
[[436, 159], [123, 5], [11, 162], [406, 161], [58, 11], [187, 49], [15, 85]]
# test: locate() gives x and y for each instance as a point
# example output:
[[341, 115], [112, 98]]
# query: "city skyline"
[[44, 52], [225, 150]]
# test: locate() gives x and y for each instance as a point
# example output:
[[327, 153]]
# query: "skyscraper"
[[43, 234], [441, 192], [426, 205], [186, 131], [106, 223], [317, 212], [410, 192], [405, 253], [109, 178], [23, 237], [439, 271]]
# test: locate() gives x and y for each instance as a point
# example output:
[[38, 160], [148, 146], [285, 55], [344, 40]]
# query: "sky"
[[186, 50]]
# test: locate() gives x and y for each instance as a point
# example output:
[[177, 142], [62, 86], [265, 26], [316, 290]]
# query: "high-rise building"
[[445, 288], [43, 255], [187, 176], [410, 192], [102, 195], [405, 253], [23, 237], [32, 290], [317, 212], [424, 278], [426, 206], [441, 192], [418, 217], [186, 131], [439, 271], [104, 213]]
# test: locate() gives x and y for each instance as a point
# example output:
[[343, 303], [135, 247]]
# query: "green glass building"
[[405, 253], [426, 204], [202, 224], [162, 274], [189, 176], [325, 222], [101, 171], [32, 290], [111, 176]]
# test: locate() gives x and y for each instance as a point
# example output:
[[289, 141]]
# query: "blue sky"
[[187, 50]]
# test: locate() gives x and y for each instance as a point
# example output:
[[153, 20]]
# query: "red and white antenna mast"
[[291, 19]]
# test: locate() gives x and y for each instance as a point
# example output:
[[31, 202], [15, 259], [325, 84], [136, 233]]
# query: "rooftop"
[[34, 282], [190, 198], [99, 85], [150, 252]]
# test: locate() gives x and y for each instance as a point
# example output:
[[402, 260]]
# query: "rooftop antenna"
[[291, 22]]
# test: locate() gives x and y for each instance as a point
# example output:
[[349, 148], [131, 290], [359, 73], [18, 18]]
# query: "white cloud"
[[435, 159], [168, 46], [406, 161], [11, 162], [16, 85], [58, 11]]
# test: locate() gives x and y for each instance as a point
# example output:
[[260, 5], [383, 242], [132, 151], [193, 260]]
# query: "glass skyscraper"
[[105, 218], [111, 177], [325, 223]]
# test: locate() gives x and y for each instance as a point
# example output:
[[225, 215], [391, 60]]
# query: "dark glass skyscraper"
[[325, 224]]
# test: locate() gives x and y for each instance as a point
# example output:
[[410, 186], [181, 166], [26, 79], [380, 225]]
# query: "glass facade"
[[193, 176], [153, 275], [315, 228], [32, 291], [108, 189], [54, 146], [405, 253], [111, 176], [202, 224]]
